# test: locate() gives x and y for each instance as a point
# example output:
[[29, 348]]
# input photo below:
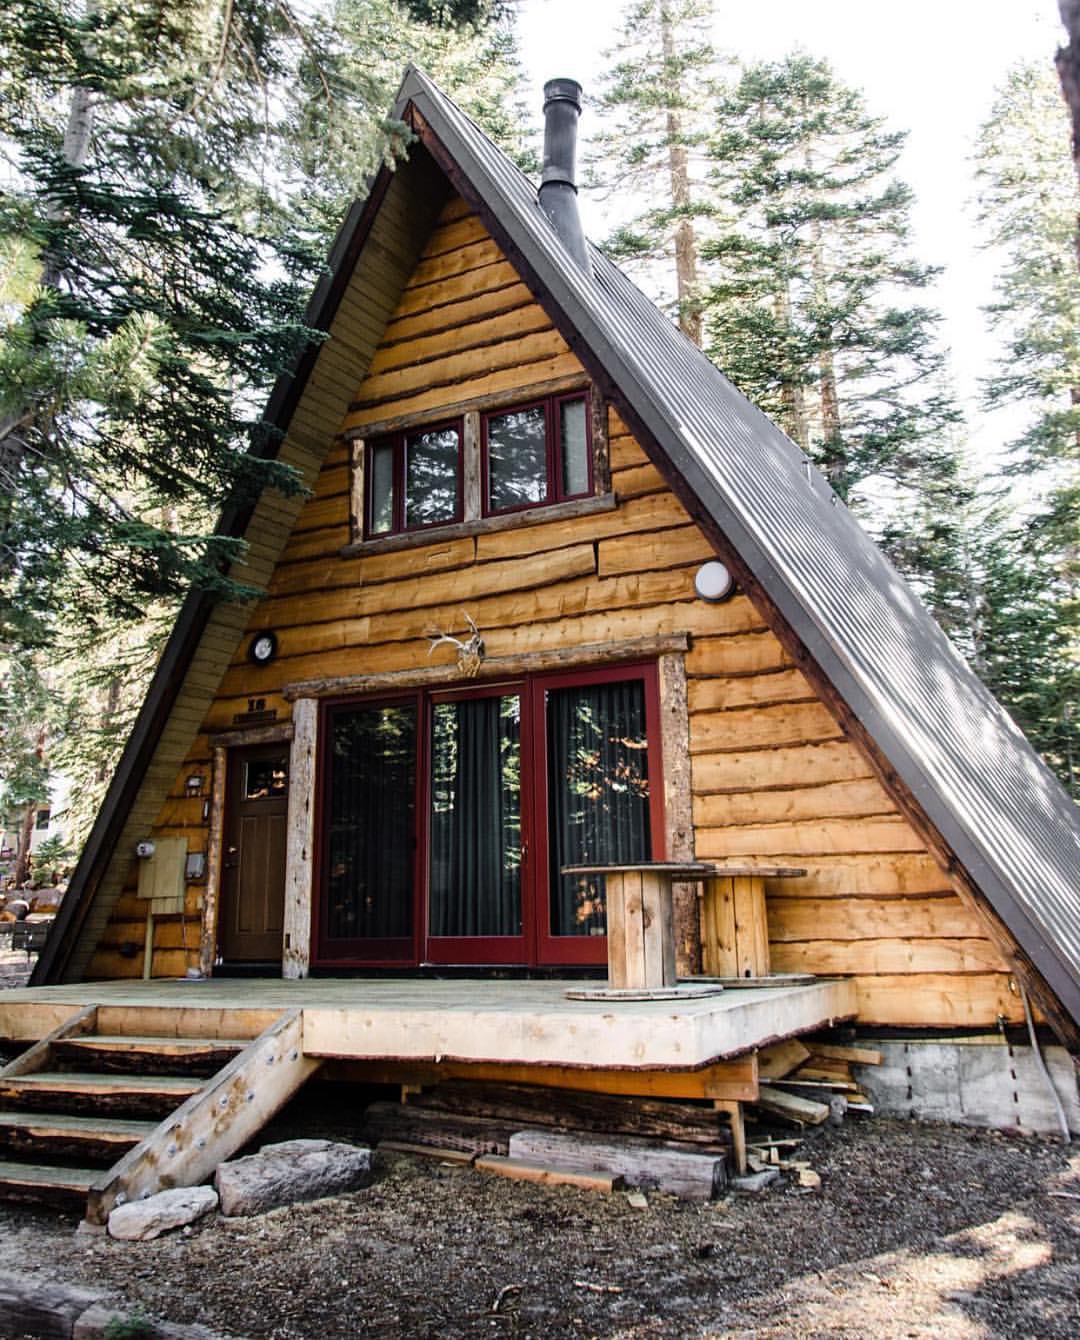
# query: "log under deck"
[[513, 1022]]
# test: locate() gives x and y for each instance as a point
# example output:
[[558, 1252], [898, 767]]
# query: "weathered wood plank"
[[887, 957], [862, 918], [852, 836], [832, 801], [691, 1176], [938, 1000], [762, 727]]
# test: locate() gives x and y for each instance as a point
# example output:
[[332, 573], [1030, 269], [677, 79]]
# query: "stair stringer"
[[230, 1108]]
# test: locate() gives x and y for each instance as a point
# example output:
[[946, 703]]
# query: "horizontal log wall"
[[773, 777]]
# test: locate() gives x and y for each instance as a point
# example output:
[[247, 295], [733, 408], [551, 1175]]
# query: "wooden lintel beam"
[[495, 667]]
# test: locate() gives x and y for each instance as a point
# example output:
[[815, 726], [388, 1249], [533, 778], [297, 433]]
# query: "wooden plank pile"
[[805, 1082], [530, 1133]]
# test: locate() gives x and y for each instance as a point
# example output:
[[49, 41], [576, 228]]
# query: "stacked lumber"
[[805, 1081], [561, 1136]]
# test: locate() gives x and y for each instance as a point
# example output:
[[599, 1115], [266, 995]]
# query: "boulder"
[[149, 1218], [294, 1170]]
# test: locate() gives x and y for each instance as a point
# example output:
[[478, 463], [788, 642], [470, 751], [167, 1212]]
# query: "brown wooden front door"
[[253, 862]]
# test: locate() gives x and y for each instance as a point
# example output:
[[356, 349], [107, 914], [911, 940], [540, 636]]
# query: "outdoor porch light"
[[194, 784], [714, 582]]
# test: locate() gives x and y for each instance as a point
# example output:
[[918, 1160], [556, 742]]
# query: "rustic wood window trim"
[[472, 520]]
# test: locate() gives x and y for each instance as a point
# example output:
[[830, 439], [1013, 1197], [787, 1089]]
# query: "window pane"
[[369, 880], [598, 802], [476, 817], [431, 477], [575, 448], [382, 488], [517, 458], [265, 778]]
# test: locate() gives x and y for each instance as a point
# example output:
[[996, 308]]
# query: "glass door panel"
[[369, 853], [474, 830], [598, 796]]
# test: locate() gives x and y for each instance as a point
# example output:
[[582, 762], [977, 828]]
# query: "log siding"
[[772, 776]]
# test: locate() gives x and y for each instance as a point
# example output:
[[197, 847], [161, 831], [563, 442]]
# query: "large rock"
[[48, 1309], [141, 1219], [292, 1171]]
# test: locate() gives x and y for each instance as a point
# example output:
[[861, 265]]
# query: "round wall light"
[[714, 582]]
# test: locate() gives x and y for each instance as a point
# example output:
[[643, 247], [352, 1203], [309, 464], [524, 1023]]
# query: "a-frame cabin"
[[507, 443]]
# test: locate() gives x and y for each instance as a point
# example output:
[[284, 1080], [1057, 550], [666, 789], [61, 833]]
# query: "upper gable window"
[[536, 454], [413, 480]]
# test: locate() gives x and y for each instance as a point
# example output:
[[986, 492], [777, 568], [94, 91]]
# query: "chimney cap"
[[562, 90]]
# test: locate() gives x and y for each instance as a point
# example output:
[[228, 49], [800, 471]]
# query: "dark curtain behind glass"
[[369, 881], [476, 817], [598, 795]]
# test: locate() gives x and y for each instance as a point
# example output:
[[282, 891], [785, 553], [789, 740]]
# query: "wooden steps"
[[99, 1118], [74, 1091], [150, 1054], [47, 1185], [61, 1135]]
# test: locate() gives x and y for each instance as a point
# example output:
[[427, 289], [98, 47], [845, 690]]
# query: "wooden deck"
[[471, 1021]]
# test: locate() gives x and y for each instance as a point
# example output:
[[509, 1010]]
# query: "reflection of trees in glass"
[[476, 817], [598, 795], [431, 476], [426, 466], [517, 458], [372, 801]]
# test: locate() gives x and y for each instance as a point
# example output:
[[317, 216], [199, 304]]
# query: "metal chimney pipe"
[[558, 189]]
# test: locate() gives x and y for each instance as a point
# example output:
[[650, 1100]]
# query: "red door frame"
[[536, 945], [555, 950]]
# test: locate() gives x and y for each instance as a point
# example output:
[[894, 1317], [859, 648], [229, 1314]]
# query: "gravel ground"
[[916, 1231]]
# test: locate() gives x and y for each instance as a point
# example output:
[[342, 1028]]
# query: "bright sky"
[[932, 71]]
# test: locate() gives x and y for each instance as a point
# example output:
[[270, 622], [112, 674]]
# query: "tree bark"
[[1068, 67], [686, 273], [26, 835]]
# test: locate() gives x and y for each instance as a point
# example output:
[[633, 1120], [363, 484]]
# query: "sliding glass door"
[[447, 817], [475, 891]]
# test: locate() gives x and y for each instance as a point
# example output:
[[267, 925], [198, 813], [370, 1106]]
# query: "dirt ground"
[[915, 1231]]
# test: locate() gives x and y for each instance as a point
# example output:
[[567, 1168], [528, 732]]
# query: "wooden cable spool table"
[[640, 921]]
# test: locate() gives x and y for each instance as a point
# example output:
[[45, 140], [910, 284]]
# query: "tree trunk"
[[679, 172], [108, 716], [792, 401], [76, 148], [26, 836], [1068, 68]]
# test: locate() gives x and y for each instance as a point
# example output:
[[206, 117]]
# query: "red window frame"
[[553, 452], [399, 441], [536, 946], [391, 952]]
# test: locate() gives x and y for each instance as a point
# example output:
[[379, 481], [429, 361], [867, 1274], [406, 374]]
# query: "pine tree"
[[1029, 200], [160, 228], [811, 299], [653, 124]]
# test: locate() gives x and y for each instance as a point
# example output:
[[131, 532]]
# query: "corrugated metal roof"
[[1013, 828]]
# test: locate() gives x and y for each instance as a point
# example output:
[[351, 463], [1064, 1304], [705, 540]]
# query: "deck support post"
[[300, 840], [734, 1109]]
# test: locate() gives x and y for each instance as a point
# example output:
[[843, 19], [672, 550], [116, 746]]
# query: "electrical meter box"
[[161, 876]]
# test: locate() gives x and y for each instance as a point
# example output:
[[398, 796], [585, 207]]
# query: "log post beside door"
[[212, 892], [300, 840]]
